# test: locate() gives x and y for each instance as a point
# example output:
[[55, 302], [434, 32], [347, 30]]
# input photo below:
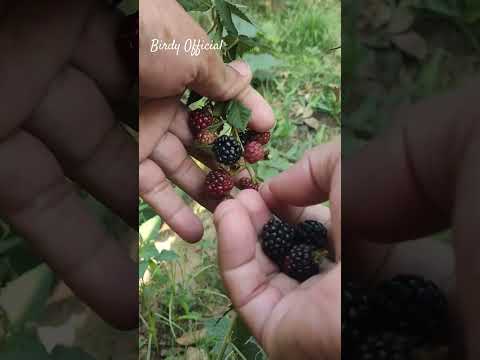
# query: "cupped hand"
[[290, 320], [419, 178], [165, 136], [58, 128]]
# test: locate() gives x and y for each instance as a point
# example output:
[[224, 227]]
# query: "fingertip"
[[223, 209], [256, 207], [195, 234], [262, 118], [241, 67]]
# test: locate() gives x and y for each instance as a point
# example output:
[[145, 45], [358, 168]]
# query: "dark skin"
[[426, 178], [57, 125]]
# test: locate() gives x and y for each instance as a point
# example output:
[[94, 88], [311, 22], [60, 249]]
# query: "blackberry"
[[227, 150], [277, 239], [263, 137], [200, 119], [205, 137], [300, 262], [384, 346], [412, 305], [218, 183], [355, 314], [254, 152], [245, 136], [247, 183], [311, 232]]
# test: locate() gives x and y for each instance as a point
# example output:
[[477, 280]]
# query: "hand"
[[420, 178], [165, 136], [290, 320], [57, 127]]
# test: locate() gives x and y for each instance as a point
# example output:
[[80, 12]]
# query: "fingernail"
[[241, 67]]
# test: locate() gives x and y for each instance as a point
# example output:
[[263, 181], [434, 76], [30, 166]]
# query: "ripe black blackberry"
[[355, 314], [384, 346], [227, 150], [410, 304], [311, 232], [245, 136], [300, 263], [277, 239]]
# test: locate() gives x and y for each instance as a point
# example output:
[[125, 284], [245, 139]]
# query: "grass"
[[184, 309]]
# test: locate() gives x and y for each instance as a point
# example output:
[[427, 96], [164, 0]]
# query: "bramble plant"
[[220, 128]]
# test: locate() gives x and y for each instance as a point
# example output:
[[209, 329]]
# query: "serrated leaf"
[[235, 10], [225, 15], [64, 353], [244, 28], [238, 115], [195, 5]]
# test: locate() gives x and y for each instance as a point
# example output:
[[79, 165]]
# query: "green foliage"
[[238, 115], [195, 5]]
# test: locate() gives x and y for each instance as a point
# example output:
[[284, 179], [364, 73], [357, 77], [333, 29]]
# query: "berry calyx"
[[254, 152], [300, 263], [205, 137], [218, 183], [311, 232], [277, 239], [200, 119], [247, 183], [227, 150]]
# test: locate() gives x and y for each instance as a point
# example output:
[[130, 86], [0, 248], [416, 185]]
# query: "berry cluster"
[[394, 320], [296, 249], [232, 151]]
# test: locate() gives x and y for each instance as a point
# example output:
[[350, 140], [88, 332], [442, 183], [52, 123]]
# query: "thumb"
[[312, 180], [220, 81]]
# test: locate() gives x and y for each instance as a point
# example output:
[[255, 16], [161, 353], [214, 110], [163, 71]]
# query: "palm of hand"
[[291, 320]]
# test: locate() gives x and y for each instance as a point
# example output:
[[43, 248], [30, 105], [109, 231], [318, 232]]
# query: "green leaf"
[[279, 163], [235, 10], [142, 268], [148, 251], [225, 15], [24, 347], [244, 341], [262, 65], [238, 115], [243, 27], [9, 243], [167, 255], [196, 5], [64, 353]]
